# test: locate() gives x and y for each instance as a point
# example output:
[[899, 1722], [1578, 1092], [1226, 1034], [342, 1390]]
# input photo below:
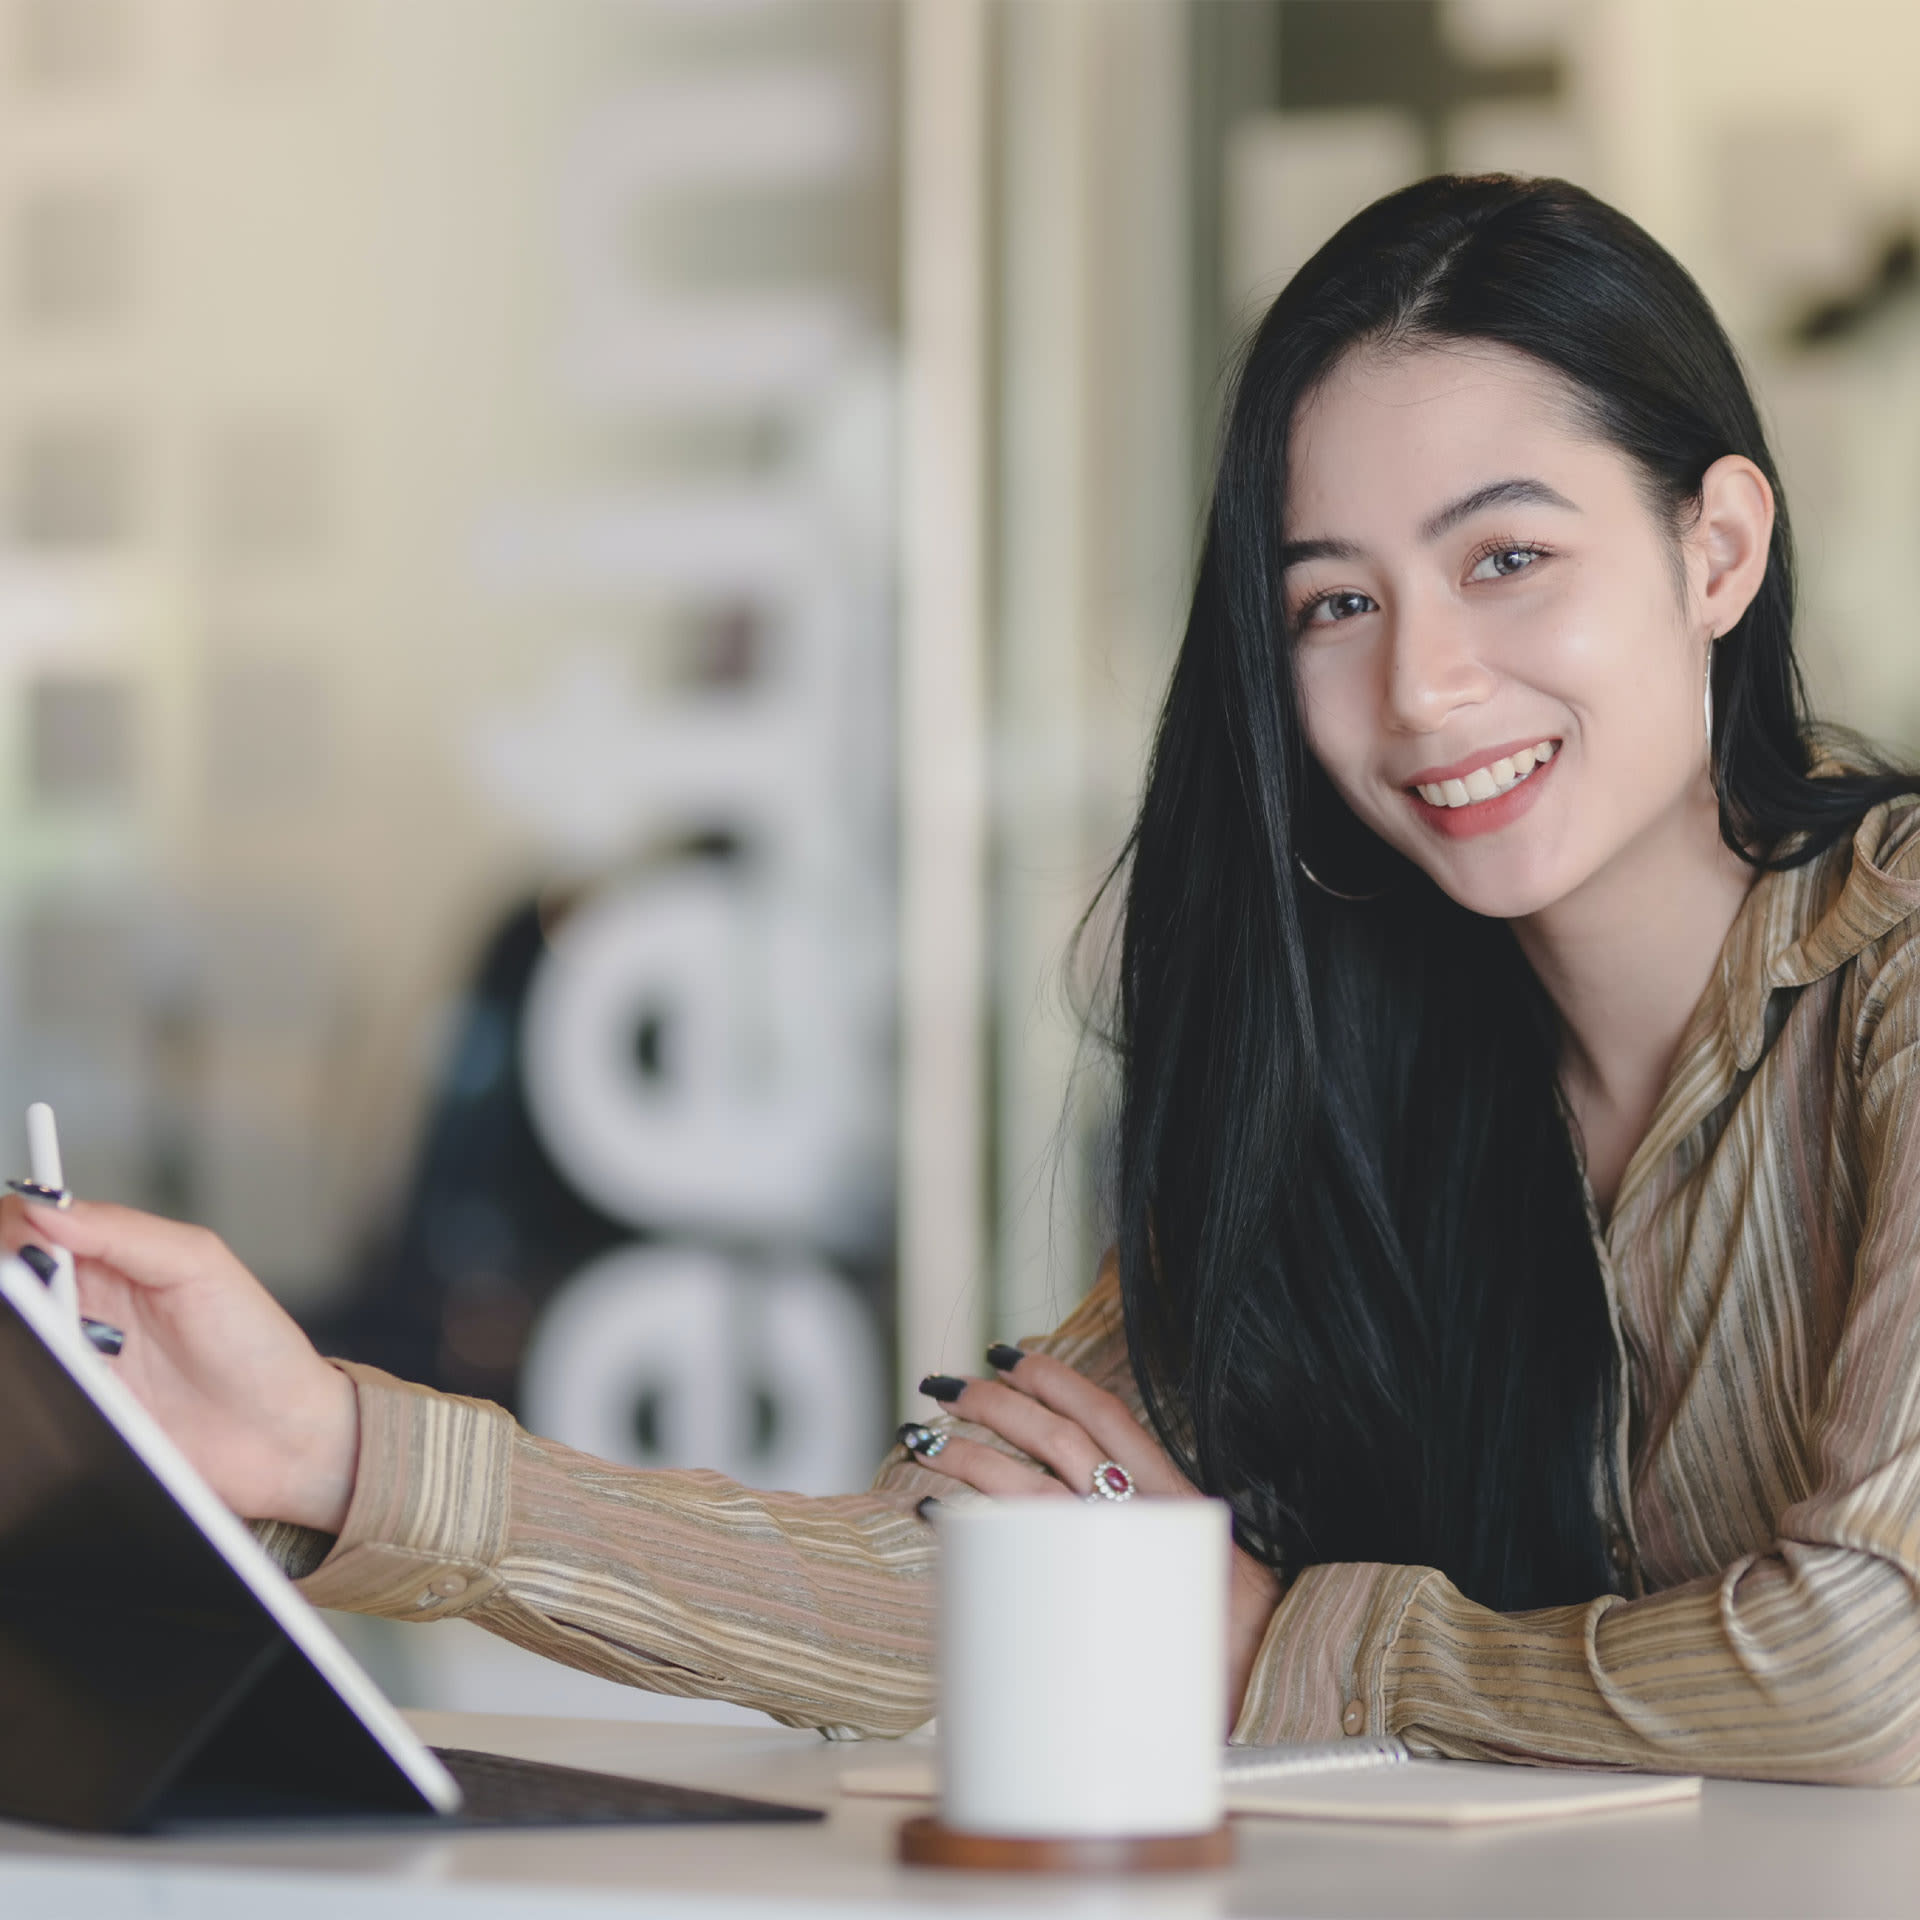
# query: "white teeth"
[[1484, 782]]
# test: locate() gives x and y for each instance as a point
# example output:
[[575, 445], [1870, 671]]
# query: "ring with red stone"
[[1111, 1481]]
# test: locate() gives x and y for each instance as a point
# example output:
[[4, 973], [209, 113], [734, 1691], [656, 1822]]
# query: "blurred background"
[[584, 584]]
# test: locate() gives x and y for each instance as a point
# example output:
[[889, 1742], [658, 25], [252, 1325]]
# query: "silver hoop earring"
[[1334, 893]]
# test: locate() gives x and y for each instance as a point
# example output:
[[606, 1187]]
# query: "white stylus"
[[43, 1166]]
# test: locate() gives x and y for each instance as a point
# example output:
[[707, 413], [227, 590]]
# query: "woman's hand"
[[1061, 1419], [213, 1357]]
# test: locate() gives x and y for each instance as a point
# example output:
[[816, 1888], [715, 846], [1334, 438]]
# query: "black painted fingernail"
[[1003, 1359], [47, 1196], [926, 1506], [108, 1339], [42, 1262], [942, 1387], [913, 1436]]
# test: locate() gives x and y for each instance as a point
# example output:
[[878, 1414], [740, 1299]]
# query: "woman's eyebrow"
[[1297, 553], [1502, 493], [1499, 493]]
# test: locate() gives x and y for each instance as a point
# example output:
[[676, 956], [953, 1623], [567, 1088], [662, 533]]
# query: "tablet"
[[158, 1670]]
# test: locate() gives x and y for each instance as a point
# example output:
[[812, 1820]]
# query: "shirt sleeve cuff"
[[295, 1550], [1321, 1670], [427, 1524]]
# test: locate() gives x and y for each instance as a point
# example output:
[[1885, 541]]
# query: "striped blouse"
[[1762, 1264]]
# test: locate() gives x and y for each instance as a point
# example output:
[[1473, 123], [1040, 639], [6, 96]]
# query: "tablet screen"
[[133, 1654], [157, 1671]]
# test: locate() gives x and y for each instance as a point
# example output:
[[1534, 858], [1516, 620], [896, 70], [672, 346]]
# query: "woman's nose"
[[1433, 669]]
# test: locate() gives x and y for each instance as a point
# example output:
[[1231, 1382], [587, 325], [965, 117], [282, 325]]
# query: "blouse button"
[[1354, 1720]]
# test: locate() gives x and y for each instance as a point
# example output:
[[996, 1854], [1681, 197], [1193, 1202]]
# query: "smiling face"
[[1499, 664]]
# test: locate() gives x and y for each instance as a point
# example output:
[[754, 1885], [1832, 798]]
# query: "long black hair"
[[1361, 1295]]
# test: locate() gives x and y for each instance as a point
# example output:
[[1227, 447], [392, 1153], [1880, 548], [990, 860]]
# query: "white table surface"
[[1746, 1850]]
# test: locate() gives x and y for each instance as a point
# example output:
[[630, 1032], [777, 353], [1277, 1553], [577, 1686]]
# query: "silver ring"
[[1111, 1481]]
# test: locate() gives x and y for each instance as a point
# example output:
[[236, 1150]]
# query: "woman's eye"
[[1333, 607], [1502, 562]]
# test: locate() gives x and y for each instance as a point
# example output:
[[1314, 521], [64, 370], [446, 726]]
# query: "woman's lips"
[[1485, 816]]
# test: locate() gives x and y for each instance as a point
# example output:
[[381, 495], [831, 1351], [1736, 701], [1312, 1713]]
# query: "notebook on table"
[[1458, 1793], [1374, 1780], [157, 1670]]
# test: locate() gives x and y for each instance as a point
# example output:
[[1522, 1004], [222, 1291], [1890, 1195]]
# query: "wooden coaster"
[[924, 1842]]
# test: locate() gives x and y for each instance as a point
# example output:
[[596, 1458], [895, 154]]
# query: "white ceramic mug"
[[1083, 1666]]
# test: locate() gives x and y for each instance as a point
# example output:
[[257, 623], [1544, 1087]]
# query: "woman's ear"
[[1727, 544]]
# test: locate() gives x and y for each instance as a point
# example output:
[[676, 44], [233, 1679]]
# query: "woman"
[[1520, 1144]]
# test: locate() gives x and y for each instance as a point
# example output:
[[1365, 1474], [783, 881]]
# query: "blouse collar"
[[1803, 923], [1795, 926]]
